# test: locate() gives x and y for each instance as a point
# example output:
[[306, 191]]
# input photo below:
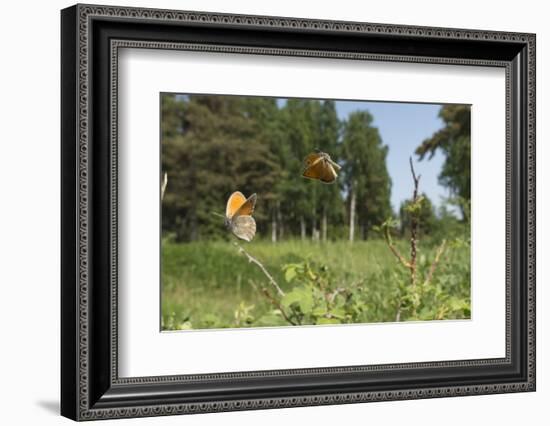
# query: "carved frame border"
[[85, 13]]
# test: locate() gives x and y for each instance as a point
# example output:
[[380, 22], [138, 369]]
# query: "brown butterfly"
[[238, 216], [319, 165]]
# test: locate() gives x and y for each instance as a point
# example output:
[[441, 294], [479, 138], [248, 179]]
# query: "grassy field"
[[211, 284]]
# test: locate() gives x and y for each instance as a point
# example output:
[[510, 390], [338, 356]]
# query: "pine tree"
[[368, 185], [217, 148], [298, 194], [331, 206], [454, 141]]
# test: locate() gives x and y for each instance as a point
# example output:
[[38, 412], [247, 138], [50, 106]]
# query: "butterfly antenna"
[[218, 214]]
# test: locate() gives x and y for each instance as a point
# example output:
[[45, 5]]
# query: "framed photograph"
[[263, 212]]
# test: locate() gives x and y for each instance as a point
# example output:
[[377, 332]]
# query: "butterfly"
[[238, 216], [318, 165]]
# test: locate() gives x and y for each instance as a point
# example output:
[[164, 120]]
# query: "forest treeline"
[[213, 145]]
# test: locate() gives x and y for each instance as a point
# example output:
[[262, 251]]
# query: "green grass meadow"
[[212, 285]]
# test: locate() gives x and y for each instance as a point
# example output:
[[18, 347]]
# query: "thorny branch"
[[411, 265], [394, 250], [252, 259], [414, 226], [274, 302]]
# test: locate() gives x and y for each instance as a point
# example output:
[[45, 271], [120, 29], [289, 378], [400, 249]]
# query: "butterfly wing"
[[238, 215], [321, 170], [335, 165], [312, 159], [313, 165], [319, 165], [235, 201], [246, 208], [243, 227], [328, 173]]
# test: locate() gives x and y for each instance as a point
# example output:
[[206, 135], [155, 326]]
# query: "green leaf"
[[338, 313], [290, 274], [319, 311], [458, 304], [291, 297], [272, 318], [301, 297]]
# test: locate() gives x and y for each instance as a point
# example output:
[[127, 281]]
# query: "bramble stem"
[[394, 250], [252, 259], [414, 226], [273, 301]]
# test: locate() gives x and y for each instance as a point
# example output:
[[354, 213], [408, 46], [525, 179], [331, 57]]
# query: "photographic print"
[[292, 212], [271, 184]]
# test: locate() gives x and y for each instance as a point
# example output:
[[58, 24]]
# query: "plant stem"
[[274, 302], [438, 254], [252, 259], [394, 250], [414, 227]]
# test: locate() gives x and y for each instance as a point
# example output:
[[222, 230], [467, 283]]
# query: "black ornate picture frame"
[[90, 385]]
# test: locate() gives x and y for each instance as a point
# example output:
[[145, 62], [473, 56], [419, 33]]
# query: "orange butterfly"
[[319, 165], [238, 216]]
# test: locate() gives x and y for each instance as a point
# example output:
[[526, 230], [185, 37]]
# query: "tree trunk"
[[324, 225], [280, 221], [315, 235], [274, 226], [365, 230], [314, 231], [352, 203], [302, 228]]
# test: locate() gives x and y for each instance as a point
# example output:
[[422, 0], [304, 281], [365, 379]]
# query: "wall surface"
[[29, 212]]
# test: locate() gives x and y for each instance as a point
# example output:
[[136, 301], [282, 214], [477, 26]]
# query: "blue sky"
[[403, 126]]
